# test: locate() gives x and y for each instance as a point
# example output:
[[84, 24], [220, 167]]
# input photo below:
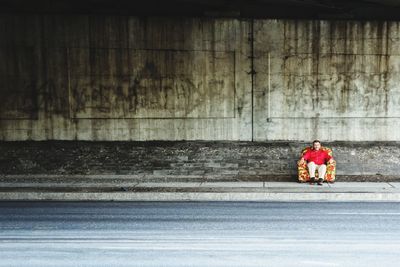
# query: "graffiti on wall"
[[18, 83], [351, 85], [155, 84], [18, 98]]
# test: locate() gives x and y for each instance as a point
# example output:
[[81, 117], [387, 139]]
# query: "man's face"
[[317, 145]]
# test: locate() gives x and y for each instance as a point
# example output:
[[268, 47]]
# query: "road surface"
[[199, 234]]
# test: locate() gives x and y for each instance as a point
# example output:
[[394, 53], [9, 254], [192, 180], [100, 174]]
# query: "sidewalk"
[[196, 191]]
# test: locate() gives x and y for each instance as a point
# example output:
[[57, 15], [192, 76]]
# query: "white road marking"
[[363, 213]]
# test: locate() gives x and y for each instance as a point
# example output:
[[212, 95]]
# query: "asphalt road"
[[199, 234]]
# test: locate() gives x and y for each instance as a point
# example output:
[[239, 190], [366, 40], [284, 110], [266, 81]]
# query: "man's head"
[[316, 144]]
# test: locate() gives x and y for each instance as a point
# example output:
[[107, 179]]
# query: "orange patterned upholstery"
[[304, 176]]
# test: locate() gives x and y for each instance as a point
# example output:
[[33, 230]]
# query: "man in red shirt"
[[316, 159]]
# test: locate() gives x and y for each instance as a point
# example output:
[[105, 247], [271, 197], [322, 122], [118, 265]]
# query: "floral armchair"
[[330, 174]]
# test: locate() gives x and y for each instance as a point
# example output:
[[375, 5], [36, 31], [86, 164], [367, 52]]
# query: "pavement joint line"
[[201, 196], [391, 185], [149, 176]]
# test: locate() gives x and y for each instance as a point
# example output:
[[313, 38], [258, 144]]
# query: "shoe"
[[320, 181], [312, 180]]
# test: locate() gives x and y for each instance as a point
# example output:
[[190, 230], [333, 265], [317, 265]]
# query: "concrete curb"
[[208, 191], [197, 196], [154, 178]]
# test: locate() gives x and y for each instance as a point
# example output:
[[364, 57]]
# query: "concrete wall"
[[331, 80], [129, 78], [123, 78]]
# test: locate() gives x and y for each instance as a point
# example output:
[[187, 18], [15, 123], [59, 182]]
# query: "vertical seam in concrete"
[[234, 82], [69, 82], [251, 39]]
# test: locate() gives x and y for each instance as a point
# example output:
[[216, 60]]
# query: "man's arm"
[[329, 159], [305, 157]]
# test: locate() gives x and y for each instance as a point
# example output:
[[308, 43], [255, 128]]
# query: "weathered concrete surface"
[[123, 78], [210, 191], [169, 161], [329, 80], [128, 78]]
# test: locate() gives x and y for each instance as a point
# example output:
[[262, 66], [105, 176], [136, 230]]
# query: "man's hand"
[[302, 160], [330, 161]]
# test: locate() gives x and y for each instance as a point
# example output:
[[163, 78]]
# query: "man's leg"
[[321, 173], [311, 170]]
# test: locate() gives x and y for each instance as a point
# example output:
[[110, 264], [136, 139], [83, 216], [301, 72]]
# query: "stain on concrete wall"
[[153, 84], [332, 80], [123, 78], [130, 78]]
